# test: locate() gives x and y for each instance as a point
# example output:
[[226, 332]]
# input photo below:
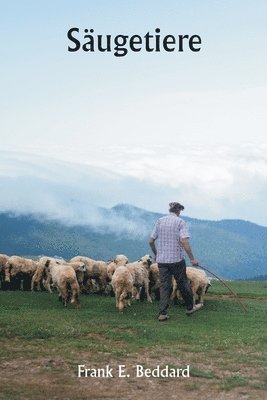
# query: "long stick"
[[231, 290]]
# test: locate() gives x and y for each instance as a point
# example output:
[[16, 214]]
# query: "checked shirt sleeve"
[[184, 231]]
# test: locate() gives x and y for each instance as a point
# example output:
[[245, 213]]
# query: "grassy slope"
[[229, 345], [242, 288]]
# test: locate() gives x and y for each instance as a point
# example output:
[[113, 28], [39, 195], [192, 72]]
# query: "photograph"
[[133, 220]]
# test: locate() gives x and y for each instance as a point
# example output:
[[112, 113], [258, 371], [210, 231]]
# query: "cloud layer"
[[212, 182]]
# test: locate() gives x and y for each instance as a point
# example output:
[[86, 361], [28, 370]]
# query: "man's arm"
[[186, 246], [152, 245]]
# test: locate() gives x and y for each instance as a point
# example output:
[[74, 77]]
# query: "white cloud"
[[212, 182]]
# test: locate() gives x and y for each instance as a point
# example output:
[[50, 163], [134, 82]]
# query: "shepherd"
[[172, 234]]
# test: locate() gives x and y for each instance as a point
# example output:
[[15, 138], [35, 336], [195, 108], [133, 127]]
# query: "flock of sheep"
[[84, 275]]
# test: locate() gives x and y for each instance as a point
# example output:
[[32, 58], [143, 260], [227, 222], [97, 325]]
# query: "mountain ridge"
[[233, 249]]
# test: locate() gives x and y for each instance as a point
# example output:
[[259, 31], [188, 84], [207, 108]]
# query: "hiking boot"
[[163, 317], [195, 308]]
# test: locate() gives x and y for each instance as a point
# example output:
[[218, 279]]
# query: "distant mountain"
[[233, 249]]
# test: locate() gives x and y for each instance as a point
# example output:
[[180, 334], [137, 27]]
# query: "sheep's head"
[[121, 259], [207, 287], [50, 264], [81, 266], [146, 260]]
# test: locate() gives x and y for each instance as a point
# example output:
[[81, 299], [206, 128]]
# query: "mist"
[[211, 183]]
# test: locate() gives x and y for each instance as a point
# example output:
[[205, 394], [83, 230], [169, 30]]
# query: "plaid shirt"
[[169, 230]]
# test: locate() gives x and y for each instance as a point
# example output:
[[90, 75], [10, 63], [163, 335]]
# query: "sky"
[[147, 128]]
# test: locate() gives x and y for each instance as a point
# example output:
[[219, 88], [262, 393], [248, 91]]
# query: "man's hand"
[[194, 262]]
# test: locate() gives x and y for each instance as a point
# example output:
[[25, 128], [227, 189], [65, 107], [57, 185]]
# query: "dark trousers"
[[178, 270]]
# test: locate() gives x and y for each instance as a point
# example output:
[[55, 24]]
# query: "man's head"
[[175, 207]]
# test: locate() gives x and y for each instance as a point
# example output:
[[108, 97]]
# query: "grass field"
[[42, 344]]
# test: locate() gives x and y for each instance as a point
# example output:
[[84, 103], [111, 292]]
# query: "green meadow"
[[42, 344]]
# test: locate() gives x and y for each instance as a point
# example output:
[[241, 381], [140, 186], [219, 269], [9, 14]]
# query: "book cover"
[[110, 110]]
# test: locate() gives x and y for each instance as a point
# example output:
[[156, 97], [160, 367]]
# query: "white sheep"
[[120, 259], [80, 270], [199, 283], [20, 268], [3, 260], [140, 273], [96, 270], [154, 281], [42, 274], [64, 279], [122, 284]]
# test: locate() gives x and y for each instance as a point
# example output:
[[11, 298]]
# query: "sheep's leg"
[[194, 291], [33, 283], [128, 300], [75, 297], [201, 295], [134, 293], [173, 295], [102, 285], [74, 290], [46, 283], [137, 296], [147, 292], [7, 272], [117, 295], [122, 302], [64, 294], [50, 283]]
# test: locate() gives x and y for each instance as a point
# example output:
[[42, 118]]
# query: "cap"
[[175, 206]]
